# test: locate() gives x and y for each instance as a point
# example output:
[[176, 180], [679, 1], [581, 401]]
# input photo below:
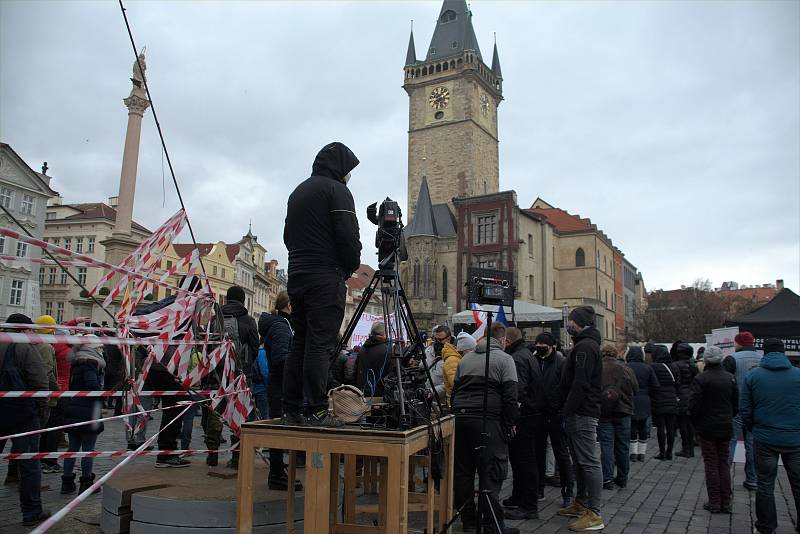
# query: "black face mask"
[[437, 347], [542, 352]]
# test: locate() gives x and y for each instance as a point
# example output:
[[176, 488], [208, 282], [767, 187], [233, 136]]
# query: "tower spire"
[[454, 32], [411, 54], [496, 61]]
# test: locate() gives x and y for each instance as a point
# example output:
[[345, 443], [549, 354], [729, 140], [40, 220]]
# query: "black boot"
[[233, 463], [86, 482], [67, 484], [212, 459]]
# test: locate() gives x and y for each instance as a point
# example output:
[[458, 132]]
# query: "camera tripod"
[[397, 318]]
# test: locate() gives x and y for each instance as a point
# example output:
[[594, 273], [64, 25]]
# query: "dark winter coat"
[[34, 375], [115, 366], [524, 361], [770, 401], [86, 373], [582, 377], [370, 367], [321, 230], [648, 383], [664, 398], [343, 369], [686, 373], [276, 331], [617, 375], [713, 402], [248, 334], [545, 386]]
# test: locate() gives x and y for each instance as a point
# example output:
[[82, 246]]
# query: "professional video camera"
[[488, 286], [416, 395], [389, 237]]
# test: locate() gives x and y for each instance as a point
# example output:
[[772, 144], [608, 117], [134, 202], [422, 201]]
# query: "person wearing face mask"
[[545, 386], [443, 349], [322, 237], [581, 386], [465, 343]]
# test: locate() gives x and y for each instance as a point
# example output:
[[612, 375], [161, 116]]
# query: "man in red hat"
[[744, 359]]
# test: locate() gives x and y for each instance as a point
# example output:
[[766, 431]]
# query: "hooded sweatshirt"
[[321, 231], [277, 333], [769, 403], [664, 398], [582, 378], [646, 378]]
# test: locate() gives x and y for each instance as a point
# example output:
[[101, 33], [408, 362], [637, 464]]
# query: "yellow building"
[[218, 266]]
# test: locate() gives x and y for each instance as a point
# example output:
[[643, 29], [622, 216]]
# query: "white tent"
[[524, 312]]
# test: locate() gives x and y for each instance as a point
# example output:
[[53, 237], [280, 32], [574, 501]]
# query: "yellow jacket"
[[450, 358]]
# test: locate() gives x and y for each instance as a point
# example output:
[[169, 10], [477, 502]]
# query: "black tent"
[[780, 317]]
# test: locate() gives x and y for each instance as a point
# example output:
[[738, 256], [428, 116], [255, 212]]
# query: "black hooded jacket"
[[582, 378], [321, 230], [545, 386], [647, 380], [686, 372], [276, 331], [665, 397]]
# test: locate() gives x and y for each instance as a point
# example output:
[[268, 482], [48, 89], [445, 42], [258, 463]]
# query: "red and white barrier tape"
[[105, 454], [58, 516], [35, 339], [71, 394]]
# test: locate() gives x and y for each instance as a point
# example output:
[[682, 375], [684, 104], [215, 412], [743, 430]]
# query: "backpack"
[[242, 356], [15, 410]]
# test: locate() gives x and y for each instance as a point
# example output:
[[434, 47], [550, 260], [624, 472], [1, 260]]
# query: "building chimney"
[[779, 284]]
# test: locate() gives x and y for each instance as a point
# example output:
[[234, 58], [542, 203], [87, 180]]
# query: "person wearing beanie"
[[713, 402], [769, 404], [649, 347], [641, 421], [322, 237], [546, 387], [687, 370], [87, 374], [739, 364], [465, 343], [48, 442], [242, 331], [614, 428], [23, 415], [581, 386]]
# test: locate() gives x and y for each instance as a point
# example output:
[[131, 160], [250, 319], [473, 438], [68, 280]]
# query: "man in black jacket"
[[372, 360], [581, 385], [546, 387], [322, 237], [713, 402], [502, 410], [523, 502]]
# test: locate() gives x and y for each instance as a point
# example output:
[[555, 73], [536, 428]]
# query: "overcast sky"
[[674, 126]]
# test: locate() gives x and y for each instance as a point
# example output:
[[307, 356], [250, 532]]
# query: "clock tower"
[[453, 99]]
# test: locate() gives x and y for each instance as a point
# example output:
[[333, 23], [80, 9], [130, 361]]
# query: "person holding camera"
[[490, 461], [322, 237]]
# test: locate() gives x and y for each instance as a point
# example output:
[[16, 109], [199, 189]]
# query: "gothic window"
[[444, 285], [580, 258], [416, 277], [448, 16], [530, 244], [531, 286], [487, 229], [427, 276]]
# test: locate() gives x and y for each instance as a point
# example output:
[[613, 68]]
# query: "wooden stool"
[[387, 457]]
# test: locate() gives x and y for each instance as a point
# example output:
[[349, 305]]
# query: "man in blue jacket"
[[770, 408]]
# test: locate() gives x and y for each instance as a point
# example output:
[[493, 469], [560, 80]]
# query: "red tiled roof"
[[99, 210], [231, 251], [361, 278], [563, 221], [760, 295], [184, 249]]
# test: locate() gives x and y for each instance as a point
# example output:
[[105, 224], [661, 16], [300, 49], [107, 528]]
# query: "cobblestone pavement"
[[661, 497]]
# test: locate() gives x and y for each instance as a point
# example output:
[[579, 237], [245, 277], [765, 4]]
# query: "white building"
[[24, 193]]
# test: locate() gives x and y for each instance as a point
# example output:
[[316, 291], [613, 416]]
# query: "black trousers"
[[274, 400], [48, 442], [317, 314], [687, 433], [522, 454], [665, 432], [168, 438], [494, 463], [549, 425]]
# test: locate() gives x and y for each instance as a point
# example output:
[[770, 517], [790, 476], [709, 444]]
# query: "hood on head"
[[661, 354], [635, 354], [335, 160], [775, 361], [683, 351], [591, 333]]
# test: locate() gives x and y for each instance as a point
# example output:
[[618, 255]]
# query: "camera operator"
[[322, 237], [502, 411]]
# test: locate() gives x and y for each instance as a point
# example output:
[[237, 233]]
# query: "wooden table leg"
[[397, 491], [350, 488], [430, 497], [317, 505], [244, 515], [290, 494], [383, 490], [334, 491]]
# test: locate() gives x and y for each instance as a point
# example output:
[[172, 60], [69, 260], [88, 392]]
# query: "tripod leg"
[[351, 326]]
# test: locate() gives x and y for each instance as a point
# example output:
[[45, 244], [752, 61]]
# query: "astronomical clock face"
[[484, 105], [439, 98]]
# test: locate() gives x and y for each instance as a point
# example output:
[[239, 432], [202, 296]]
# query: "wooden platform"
[[325, 450], [191, 500]]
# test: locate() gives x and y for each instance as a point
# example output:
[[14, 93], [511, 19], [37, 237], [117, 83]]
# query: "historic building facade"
[[24, 193]]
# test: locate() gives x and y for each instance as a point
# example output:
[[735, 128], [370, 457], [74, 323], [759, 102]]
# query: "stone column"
[[136, 105]]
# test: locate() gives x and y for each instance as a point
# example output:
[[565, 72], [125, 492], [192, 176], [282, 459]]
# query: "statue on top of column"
[[138, 73]]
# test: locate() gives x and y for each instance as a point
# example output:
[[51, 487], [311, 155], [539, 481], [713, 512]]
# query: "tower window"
[[580, 258], [433, 51], [448, 16], [487, 229], [454, 45], [439, 115]]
